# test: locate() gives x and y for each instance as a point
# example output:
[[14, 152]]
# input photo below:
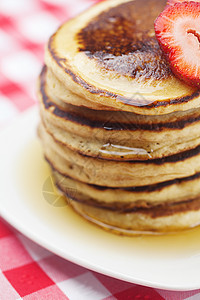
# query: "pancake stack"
[[120, 132]]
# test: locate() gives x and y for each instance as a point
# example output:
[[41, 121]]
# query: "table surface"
[[27, 271]]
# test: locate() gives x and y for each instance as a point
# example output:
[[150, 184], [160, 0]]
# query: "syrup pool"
[[35, 183]]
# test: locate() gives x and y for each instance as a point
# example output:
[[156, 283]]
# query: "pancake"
[[118, 135], [60, 95], [120, 132], [179, 217], [169, 192], [132, 217], [125, 66], [118, 173]]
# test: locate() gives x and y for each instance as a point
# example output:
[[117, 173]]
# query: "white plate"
[[168, 262]]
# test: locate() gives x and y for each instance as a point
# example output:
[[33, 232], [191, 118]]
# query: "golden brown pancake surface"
[[122, 39], [126, 69]]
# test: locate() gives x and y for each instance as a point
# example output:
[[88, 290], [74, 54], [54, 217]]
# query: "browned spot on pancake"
[[122, 39]]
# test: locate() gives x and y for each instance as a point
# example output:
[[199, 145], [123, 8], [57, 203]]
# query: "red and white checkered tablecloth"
[[27, 271]]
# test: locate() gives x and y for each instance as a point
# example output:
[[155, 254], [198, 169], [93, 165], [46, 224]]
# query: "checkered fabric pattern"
[[28, 271]]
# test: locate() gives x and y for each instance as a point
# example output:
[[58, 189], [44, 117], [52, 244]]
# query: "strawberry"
[[172, 2], [177, 30]]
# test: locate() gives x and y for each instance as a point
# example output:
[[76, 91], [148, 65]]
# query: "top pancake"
[[109, 55]]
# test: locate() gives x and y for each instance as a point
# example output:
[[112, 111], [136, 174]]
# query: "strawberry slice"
[[178, 32], [172, 2]]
